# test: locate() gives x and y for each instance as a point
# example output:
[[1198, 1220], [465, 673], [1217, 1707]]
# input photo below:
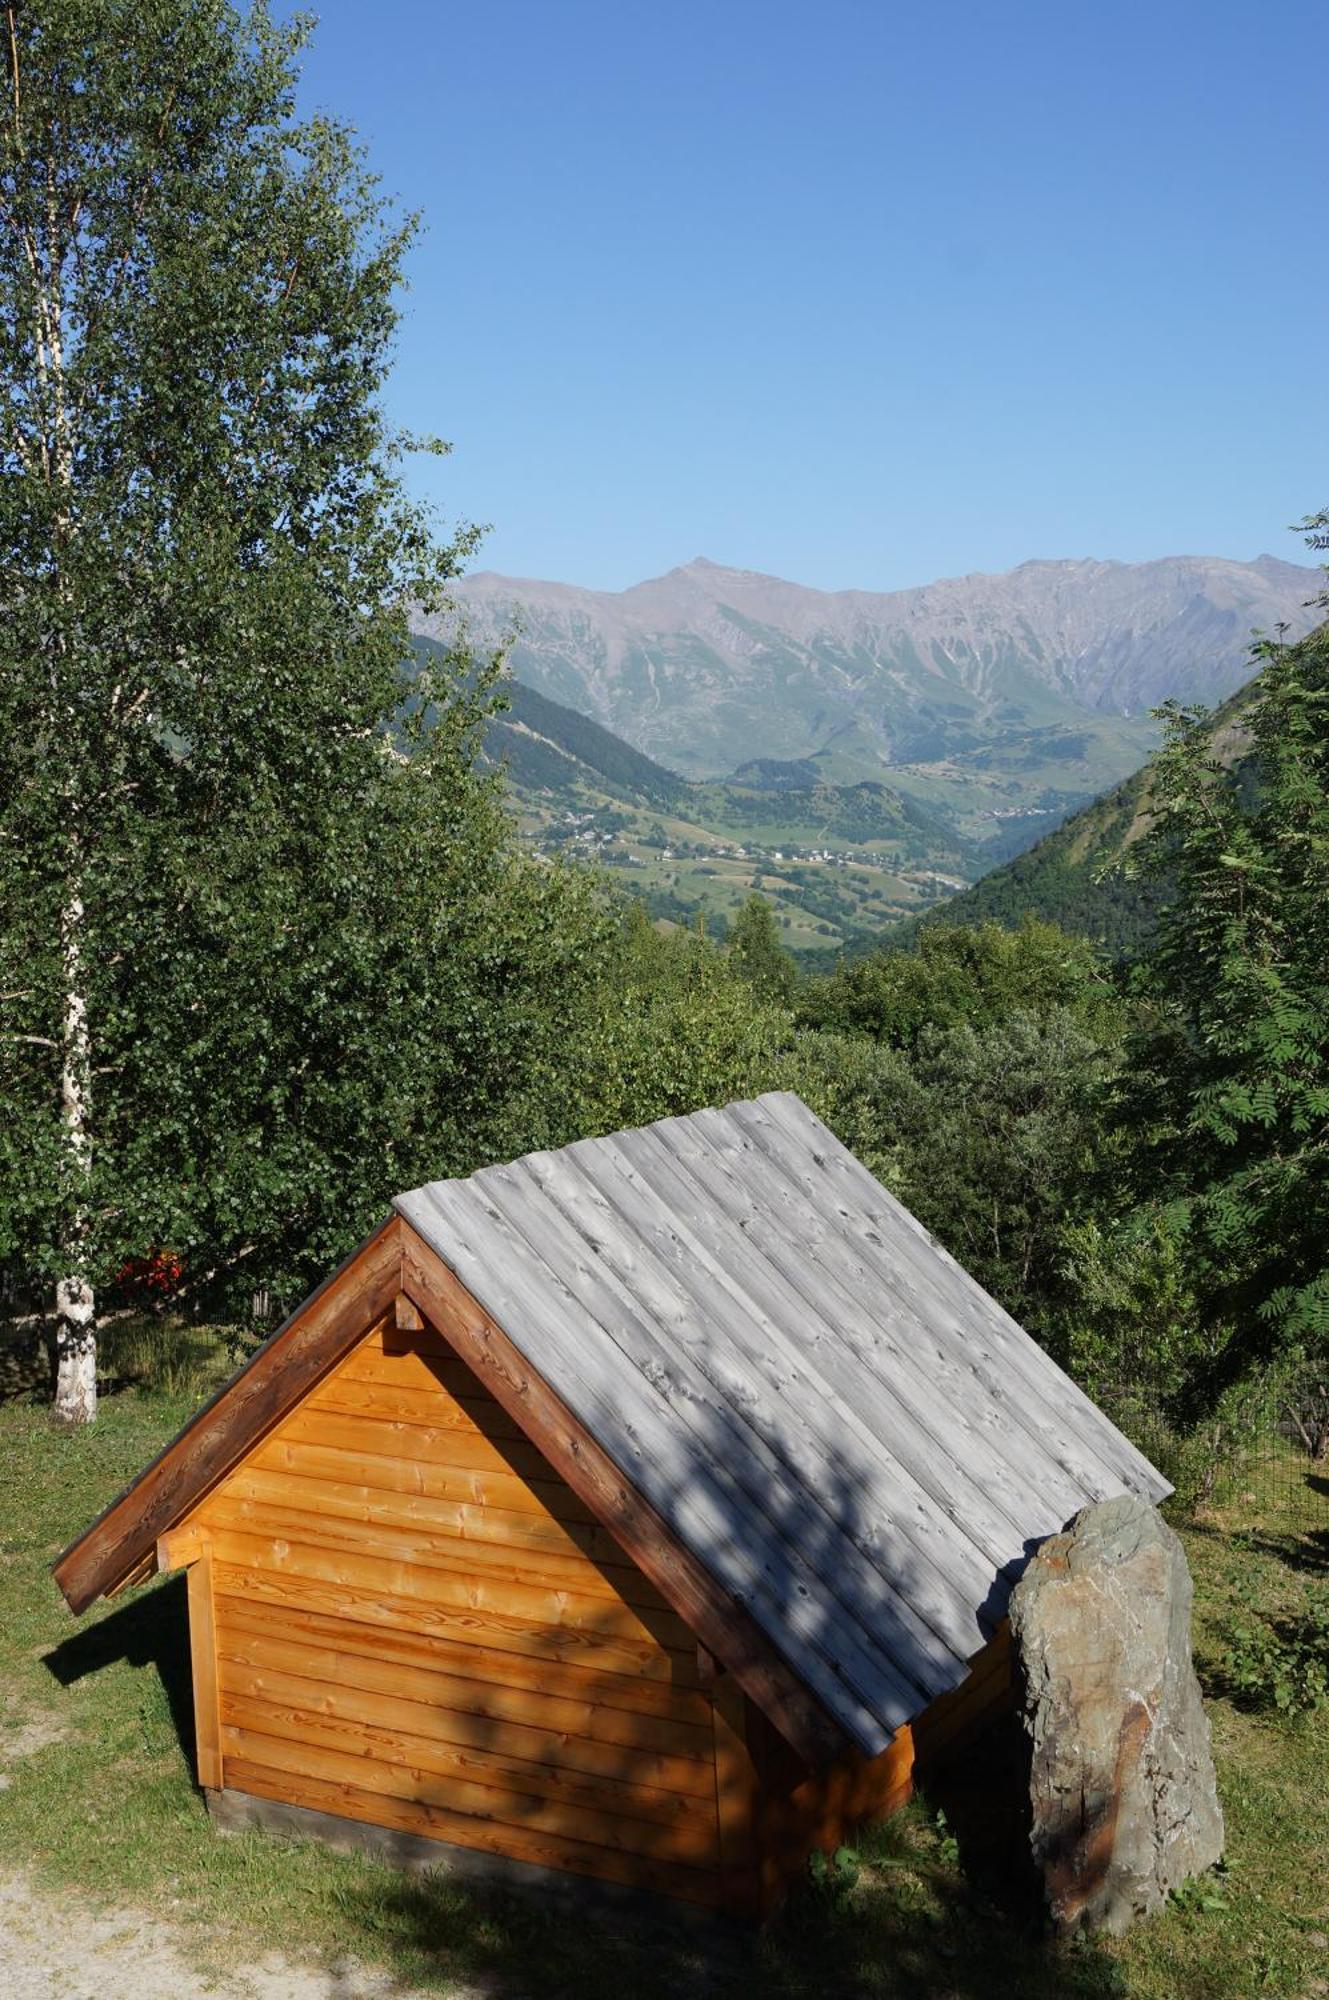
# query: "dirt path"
[[59, 1949]]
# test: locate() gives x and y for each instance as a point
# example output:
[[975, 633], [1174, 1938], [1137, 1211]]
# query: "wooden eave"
[[315, 1337], [392, 1264]]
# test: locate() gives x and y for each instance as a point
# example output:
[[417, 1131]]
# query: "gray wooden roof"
[[851, 1436]]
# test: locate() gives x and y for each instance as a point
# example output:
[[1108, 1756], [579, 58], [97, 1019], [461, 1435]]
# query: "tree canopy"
[[257, 949], [1234, 1075]]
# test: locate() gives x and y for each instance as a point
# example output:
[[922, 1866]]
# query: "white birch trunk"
[[75, 1306]]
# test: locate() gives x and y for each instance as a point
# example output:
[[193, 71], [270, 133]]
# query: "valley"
[[835, 860], [858, 757]]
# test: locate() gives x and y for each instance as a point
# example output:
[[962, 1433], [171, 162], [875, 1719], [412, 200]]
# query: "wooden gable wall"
[[403, 1615], [415, 1622]]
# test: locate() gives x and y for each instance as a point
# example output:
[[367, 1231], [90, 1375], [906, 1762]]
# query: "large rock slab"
[[1125, 1806]]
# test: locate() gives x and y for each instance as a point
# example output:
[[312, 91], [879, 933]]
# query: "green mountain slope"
[[547, 745], [1078, 875], [837, 860]]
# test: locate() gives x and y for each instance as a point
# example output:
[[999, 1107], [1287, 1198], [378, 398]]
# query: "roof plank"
[[957, 1446], [695, 1496], [719, 1427], [941, 1282], [734, 1302]]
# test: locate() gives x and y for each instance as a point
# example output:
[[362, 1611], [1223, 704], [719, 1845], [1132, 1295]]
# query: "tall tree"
[[1237, 1080], [206, 553], [758, 954]]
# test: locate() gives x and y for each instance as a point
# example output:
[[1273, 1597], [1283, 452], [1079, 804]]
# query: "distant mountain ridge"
[[861, 756], [708, 668]]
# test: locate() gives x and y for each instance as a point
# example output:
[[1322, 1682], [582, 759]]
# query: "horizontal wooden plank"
[[549, 1498], [414, 1369], [414, 1769], [538, 1605], [466, 1522], [648, 1413], [380, 1725], [722, 1622], [178, 1547], [590, 1702], [426, 1444], [313, 1340], [423, 1404], [498, 1631], [350, 1801], [524, 1722], [412, 1542]]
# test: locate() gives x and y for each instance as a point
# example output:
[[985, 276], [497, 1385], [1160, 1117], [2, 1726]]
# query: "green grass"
[[107, 1806]]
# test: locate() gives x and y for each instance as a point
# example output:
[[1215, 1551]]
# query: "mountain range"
[[707, 667], [839, 863], [860, 754]]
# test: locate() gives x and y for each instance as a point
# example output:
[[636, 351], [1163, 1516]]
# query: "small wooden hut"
[[643, 1511]]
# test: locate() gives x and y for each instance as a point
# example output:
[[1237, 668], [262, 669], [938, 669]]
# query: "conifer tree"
[[1241, 1072]]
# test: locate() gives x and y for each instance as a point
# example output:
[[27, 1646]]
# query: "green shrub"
[[834, 1877], [1281, 1663]]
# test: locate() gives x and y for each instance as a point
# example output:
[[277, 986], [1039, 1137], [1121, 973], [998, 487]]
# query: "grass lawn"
[[97, 1795]]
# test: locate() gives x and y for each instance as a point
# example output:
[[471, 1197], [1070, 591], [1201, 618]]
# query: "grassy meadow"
[[97, 1795]]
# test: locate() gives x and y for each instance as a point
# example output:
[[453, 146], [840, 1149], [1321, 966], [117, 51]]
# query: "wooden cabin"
[[643, 1511]]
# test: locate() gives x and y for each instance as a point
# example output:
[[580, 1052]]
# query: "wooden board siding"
[[120, 1545], [797, 1809], [418, 1624], [990, 1691]]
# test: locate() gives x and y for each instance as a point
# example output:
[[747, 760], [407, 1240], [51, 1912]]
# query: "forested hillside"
[[838, 862], [1083, 874]]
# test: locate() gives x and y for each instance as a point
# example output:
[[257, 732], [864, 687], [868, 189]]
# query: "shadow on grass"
[[26, 1371], [983, 1795], [941, 1910], [899, 1934], [149, 1630], [1307, 1553]]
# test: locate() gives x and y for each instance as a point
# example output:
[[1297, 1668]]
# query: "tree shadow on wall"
[[939, 1912]]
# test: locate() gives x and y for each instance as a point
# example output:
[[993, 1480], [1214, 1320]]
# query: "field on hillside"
[[825, 889], [97, 1799], [842, 845]]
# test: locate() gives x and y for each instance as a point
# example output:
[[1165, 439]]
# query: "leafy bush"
[[834, 1877], [1281, 1663]]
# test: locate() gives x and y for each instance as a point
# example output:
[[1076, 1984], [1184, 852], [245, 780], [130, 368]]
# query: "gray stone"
[[1125, 1806]]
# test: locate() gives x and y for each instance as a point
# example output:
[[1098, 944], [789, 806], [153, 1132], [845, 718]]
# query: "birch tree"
[[205, 552]]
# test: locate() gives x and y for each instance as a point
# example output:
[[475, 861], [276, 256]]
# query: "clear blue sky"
[[859, 294]]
